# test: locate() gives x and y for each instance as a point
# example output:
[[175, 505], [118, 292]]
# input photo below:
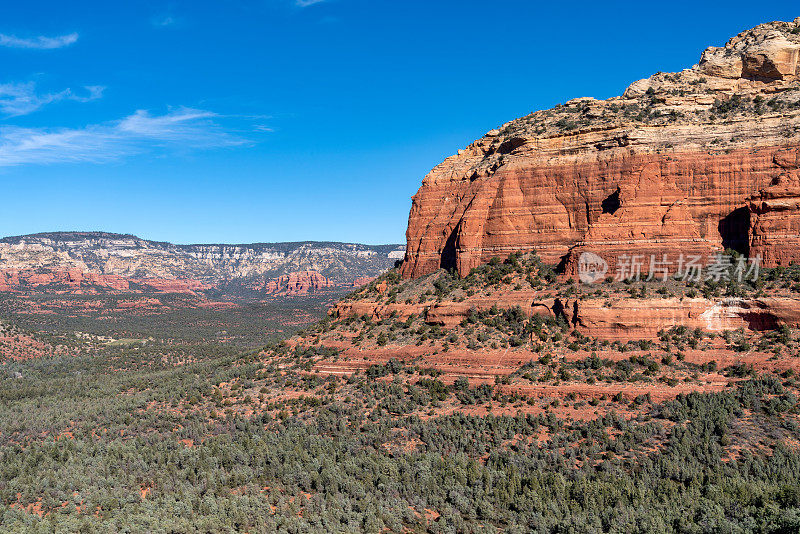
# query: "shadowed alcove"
[[611, 203], [734, 229], [449, 256]]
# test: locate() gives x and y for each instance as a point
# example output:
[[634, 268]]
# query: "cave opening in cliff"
[[611, 203], [734, 229], [448, 259]]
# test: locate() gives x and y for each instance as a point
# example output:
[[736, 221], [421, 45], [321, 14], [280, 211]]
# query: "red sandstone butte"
[[690, 162], [18, 279], [77, 280], [179, 285], [298, 283]]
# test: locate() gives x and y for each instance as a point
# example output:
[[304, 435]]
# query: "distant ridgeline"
[[74, 260]]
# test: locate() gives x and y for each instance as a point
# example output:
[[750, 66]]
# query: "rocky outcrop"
[[76, 280], [182, 285], [690, 162], [375, 312], [643, 318], [618, 319], [300, 283], [15, 279], [763, 53], [448, 313], [775, 213]]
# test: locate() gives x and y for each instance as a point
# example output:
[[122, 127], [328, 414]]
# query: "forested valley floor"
[[184, 422]]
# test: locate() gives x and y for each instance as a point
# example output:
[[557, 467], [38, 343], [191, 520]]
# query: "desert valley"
[[594, 326]]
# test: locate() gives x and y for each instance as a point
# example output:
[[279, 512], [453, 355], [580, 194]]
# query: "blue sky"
[[282, 120]]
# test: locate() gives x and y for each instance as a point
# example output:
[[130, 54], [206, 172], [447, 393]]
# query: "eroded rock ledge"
[[621, 319]]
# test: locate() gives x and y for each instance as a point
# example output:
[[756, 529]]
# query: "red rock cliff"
[[693, 162], [299, 283]]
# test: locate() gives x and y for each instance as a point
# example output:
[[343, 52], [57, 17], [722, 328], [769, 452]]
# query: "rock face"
[[634, 318], [77, 281], [12, 279], [622, 319], [775, 213], [300, 283], [690, 162], [74, 260]]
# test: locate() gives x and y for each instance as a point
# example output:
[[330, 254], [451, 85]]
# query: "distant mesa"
[[299, 283], [102, 261]]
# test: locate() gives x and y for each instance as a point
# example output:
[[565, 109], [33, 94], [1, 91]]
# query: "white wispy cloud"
[[183, 128], [162, 21], [19, 146], [22, 98], [306, 3], [40, 42]]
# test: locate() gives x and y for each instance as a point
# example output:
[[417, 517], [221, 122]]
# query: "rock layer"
[[76, 280], [300, 283], [691, 162], [620, 319], [644, 318], [120, 262]]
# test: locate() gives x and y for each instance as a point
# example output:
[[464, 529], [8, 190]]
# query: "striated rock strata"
[[79, 281], [14, 279], [300, 283], [102, 260], [690, 162], [622, 319], [634, 318]]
